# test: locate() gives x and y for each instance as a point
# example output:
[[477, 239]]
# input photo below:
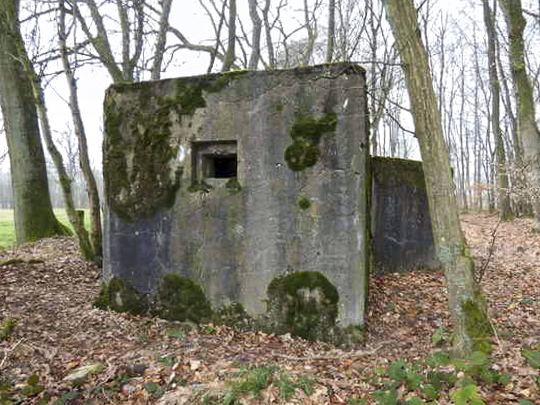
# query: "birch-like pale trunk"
[[468, 308]]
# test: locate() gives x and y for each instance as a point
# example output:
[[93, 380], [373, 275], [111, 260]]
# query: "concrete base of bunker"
[[304, 304]]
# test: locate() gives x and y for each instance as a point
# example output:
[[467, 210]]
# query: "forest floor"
[[148, 360]]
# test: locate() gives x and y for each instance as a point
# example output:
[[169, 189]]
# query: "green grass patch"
[[7, 227]]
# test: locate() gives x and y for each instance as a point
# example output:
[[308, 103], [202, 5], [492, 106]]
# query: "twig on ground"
[[7, 351], [480, 273]]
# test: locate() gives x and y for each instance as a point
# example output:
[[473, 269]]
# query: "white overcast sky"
[[191, 18]]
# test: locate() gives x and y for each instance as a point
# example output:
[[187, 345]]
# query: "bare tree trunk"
[[76, 220], [161, 40], [231, 45], [91, 186], [311, 28], [268, 35], [527, 129], [331, 31], [503, 199], [255, 36], [34, 216], [468, 308]]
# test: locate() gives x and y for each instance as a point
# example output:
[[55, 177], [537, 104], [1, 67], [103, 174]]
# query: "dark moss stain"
[[477, 323], [143, 130], [119, 296], [181, 299], [233, 186], [398, 171], [304, 304], [333, 69], [304, 203], [200, 187], [306, 133]]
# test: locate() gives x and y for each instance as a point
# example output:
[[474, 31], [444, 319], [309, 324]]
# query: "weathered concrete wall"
[[402, 238], [268, 175]]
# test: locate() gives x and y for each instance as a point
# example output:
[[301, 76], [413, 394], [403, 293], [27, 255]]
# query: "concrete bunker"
[[233, 180]]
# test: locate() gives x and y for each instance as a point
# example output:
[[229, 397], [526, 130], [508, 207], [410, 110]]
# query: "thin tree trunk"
[[34, 216], [92, 190], [76, 220], [468, 308], [231, 45], [331, 31], [161, 40], [255, 36], [311, 36], [527, 129], [503, 198]]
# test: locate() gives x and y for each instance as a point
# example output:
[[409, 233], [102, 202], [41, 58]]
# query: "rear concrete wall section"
[[402, 238], [235, 240]]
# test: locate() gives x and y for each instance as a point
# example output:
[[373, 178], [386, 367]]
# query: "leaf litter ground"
[[49, 293]]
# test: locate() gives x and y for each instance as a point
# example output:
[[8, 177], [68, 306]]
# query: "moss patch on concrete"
[[304, 203], [306, 134], [233, 186], [303, 304], [182, 299], [401, 171], [119, 296], [140, 173]]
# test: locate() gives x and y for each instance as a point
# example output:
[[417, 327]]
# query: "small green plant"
[[7, 327], [532, 355], [32, 387], [155, 390], [176, 333], [424, 381], [254, 381], [5, 393], [438, 337], [167, 361], [66, 398], [468, 394]]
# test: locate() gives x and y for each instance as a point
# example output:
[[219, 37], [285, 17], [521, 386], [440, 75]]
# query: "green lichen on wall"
[[138, 171], [119, 296], [398, 171], [140, 175], [181, 299], [306, 134], [477, 323], [303, 304]]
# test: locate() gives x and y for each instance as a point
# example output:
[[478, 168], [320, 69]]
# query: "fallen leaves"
[[49, 293]]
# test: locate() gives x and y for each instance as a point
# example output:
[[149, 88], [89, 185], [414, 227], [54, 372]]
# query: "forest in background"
[[288, 34]]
